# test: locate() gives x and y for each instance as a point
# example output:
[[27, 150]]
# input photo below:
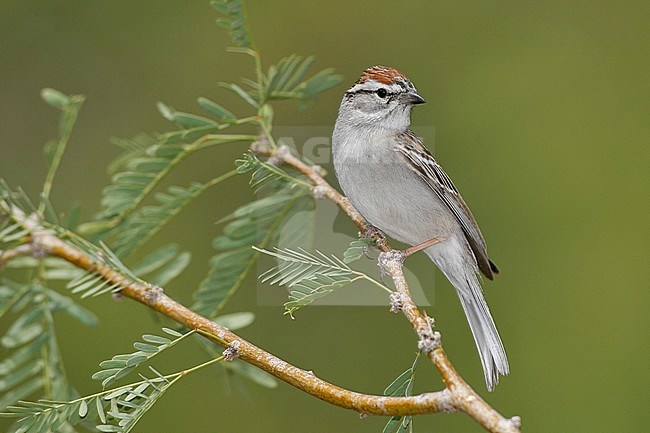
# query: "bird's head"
[[382, 98]]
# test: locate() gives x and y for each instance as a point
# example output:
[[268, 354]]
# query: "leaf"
[[8, 234], [172, 332], [100, 409], [19, 335], [173, 269], [397, 383], [253, 374], [236, 321], [83, 409], [156, 339], [235, 21], [401, 386], [184, 120], [167, 260], [246, 96], [217, 110], [20, 392], [109, 428], [70, 105], [113, 363], [356, 250], [36, 360], [147, 348], [55, 98], [73, 309], [19, 375], [190, 135], [134, 147], [156, 260], [125, 407], [103, 374], [392, 424], [22, 355]]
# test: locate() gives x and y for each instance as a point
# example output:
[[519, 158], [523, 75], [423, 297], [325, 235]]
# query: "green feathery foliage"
[[284, 80], [310, 276], [258, 223], [400, 387], [268, 175], [163, 265], [255, 223], [115, 410], [143, 224], [13, 232], [121, 365], [136, 179], [234, 21], [54, 149], [33, 364], [356, 249]]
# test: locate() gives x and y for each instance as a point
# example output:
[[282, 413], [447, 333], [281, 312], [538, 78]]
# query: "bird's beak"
[[412, 98]]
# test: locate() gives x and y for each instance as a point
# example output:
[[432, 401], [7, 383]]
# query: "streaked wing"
[[425, 165]]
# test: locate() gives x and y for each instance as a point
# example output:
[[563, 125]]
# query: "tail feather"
[[489, 345], [464, 278]]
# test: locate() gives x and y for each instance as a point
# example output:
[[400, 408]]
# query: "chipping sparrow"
[[398, 186]]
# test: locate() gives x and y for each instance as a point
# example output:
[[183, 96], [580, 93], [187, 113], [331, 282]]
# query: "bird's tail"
[[489, 345]]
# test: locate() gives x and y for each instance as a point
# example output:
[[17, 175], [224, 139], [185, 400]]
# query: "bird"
[[393, 180]]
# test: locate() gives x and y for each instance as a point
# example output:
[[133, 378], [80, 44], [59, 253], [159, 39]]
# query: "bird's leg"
[[415, 248]]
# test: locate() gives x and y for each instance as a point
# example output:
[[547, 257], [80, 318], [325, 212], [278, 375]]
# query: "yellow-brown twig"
[[154, 297]]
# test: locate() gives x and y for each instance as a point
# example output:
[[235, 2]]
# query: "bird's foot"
[[397, 257], [388, 260], [378, 237], [373, 232]]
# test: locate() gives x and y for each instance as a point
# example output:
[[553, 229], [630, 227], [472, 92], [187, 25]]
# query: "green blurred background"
[[542, 117]]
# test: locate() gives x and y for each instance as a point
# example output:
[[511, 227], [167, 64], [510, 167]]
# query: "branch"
[[44, 242], [461, 396], [20, 250]]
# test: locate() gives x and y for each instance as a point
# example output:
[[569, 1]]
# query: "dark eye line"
[[375, 92]]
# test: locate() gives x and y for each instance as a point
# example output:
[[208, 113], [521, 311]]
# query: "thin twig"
[[20, 250]]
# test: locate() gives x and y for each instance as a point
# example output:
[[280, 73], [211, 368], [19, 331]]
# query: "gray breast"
[[389, 195]]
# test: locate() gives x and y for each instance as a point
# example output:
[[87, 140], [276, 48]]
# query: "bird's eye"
[[382, 93]]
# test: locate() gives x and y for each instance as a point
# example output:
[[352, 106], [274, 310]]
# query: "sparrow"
[[391, 178]]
